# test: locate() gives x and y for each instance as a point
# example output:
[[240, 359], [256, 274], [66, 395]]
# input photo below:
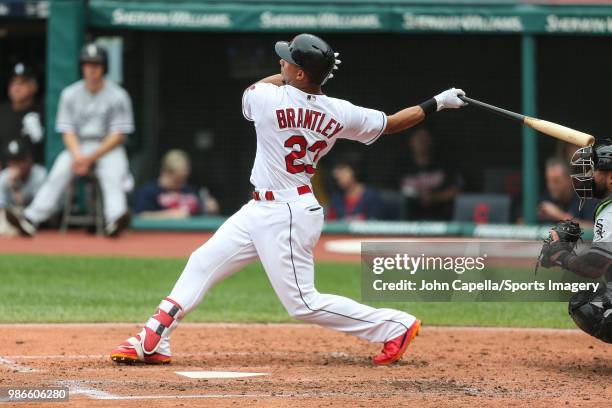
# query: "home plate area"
[[217, 374], [303, 366]]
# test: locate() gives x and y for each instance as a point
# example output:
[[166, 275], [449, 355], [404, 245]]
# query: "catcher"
[[592, 312]]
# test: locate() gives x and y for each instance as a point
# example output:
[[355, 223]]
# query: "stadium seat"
[[483, 208], [394, 205], [502, 180]]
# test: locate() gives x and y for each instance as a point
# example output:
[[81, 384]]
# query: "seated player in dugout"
[[352, 199], [592, 178], [295, 124], [20, 180], [22, 115], [170, 196], [94, 116], [559, 202]]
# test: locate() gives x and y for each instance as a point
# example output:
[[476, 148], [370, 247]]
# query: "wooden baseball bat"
[[549, 128]]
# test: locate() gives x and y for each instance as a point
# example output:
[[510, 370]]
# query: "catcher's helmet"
[[602, 156], [310, 53], [95, 54]]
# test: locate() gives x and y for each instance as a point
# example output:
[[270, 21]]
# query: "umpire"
[[592, 312], [94, 117]]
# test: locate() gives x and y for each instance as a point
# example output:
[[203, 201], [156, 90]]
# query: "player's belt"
[[281, 195]]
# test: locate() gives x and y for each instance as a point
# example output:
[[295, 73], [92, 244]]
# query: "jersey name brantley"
[[301, 118]]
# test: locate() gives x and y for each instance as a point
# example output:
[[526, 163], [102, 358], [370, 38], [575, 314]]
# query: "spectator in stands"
[[353, 200], [560, 202], [21, 179], [429, 186], [170, 196], [22, 114]]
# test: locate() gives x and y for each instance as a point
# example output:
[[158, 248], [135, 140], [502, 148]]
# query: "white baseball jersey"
[[602, 230], [295, 129]]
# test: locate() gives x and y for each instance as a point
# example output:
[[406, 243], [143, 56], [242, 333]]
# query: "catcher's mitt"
[[569, 233]]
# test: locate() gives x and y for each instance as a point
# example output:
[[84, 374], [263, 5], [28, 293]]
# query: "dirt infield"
[[310, 366], [305, 366]]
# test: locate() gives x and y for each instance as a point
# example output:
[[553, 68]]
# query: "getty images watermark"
[[463, 271]]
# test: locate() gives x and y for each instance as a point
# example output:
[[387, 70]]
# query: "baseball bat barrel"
[[549, 128], [561, 132]]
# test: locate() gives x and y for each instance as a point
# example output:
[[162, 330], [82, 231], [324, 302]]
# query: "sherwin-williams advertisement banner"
[[361, 17]]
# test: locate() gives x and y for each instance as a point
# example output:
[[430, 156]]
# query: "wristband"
[[429, 106]]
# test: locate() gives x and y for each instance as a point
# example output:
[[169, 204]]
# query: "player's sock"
[[164, 346]]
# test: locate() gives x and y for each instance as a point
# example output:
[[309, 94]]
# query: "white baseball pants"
[[282, 234], [111, 171]]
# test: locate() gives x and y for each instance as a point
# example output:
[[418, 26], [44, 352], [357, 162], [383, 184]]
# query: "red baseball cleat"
[[394, 349], [130, 352]]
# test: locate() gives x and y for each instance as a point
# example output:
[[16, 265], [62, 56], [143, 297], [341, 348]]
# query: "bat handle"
[[494, 109], [466, 99]]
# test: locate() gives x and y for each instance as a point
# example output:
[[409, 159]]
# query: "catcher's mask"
[[582, 168], [584, 163]]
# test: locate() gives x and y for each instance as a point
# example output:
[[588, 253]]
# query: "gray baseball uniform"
[[602, 237], [27, 188], [92, 117]]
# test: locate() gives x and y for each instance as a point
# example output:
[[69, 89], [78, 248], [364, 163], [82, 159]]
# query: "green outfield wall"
[[381, 228]]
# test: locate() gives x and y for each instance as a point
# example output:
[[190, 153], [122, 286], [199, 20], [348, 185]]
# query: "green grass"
[[97, 289]]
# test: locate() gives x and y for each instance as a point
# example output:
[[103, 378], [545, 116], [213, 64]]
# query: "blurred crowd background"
[[191, 138]]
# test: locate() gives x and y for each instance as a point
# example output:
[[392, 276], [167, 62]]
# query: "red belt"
[[269, 195]]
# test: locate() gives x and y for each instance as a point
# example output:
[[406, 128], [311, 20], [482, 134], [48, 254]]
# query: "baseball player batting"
[[296, 125]]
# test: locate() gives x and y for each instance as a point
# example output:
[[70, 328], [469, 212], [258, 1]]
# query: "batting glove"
[[450, 99]]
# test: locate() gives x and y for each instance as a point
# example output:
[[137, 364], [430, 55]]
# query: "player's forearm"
[[273, 79], [588, 265], [409, 117], [109, 143], [71, 141], [404, 119]]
